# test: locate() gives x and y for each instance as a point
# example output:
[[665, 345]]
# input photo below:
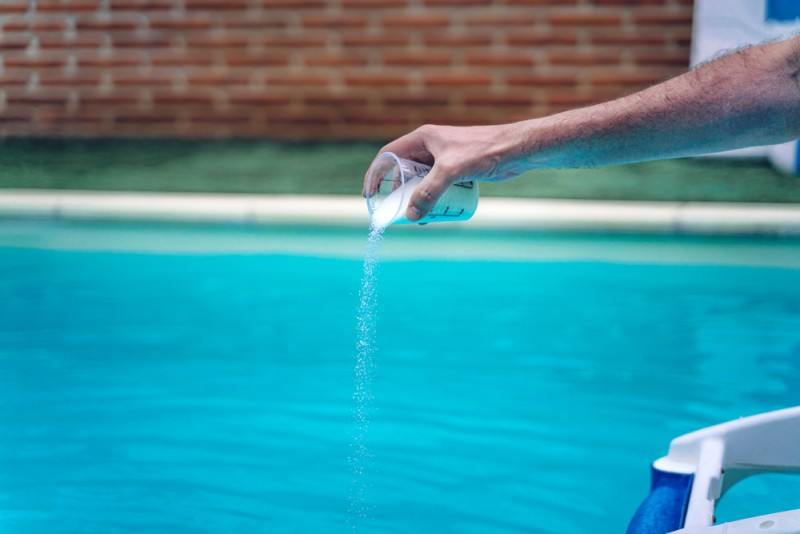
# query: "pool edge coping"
[[700, 218]]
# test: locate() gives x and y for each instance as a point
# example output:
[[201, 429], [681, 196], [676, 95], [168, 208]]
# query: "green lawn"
[[336, 168]]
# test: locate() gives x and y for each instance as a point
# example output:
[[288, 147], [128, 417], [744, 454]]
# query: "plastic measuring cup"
[[391, 180]]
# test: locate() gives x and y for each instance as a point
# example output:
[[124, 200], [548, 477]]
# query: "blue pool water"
[[211, 390]]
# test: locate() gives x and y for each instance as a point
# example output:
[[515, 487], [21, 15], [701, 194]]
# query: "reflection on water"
[[214, 393]]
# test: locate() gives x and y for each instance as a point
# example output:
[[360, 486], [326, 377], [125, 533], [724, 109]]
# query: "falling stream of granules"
[[362, 394]]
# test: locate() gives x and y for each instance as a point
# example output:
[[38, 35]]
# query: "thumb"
[[427, 193]]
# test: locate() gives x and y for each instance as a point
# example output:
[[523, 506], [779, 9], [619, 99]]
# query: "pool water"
[[211, 390]]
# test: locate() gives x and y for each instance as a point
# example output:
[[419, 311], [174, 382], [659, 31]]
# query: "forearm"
[[751, 97]]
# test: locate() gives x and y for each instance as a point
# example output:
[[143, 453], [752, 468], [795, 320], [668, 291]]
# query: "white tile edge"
[[493, 213]]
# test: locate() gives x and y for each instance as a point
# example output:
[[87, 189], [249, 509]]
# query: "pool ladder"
[[701, 466]]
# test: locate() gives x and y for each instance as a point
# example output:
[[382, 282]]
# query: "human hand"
[[457, 154]]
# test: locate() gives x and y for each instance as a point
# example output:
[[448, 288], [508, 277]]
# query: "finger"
[[427, 193], [411, 146], [371, 183], [381, 171]]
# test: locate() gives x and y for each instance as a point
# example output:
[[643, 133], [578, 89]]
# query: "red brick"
[[215, 41], [377, 79], [301, 79], [217, 118], [172, 58], [91, 121], [140, 5], [661, 57], [217, 5], [499, 59], [11, 7], [105, 24], [518, 101], [145, 118], [682, 37], [574, 57], [458, 79], [616, 37], [136, 40], [298, 119], [539, 80], [563, 37], [543, 2], [317, 114], [59, 42], [135, 79], [67, 6], [48, 98], [378, 40], [39, 24], [621, 79], [334, 100], [457, 40], [412, 59], [630, 3], [347, 59], [662, 18], [15, 77], [414, 100], [236, 58], [294, 4], [217, 79], [552, 54], [407, 21], [561, 98], [457, 3], [18, 117], [48, 61], [117, 59], [585, 19], [481, 20], [294, 41], [187, 22], [270, 21], [202, 97], [381, 118], [373, 4], [61, 80], [91, 98], [334, 21], [259, 98], [14, 43]]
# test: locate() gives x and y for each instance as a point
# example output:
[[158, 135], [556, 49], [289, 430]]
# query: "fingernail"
[[413, 213]]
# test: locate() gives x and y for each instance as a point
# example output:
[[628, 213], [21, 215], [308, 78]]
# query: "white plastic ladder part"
[[721, 455], [779, 523]]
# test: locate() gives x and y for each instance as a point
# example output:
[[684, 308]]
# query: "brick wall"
[[321, 68]]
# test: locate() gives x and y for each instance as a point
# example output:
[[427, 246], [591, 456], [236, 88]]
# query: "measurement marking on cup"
[[446, 213]]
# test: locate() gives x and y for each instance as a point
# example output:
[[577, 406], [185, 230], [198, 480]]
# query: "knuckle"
[[446, 169], [388, 146], [428, 131], [426, 195]]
